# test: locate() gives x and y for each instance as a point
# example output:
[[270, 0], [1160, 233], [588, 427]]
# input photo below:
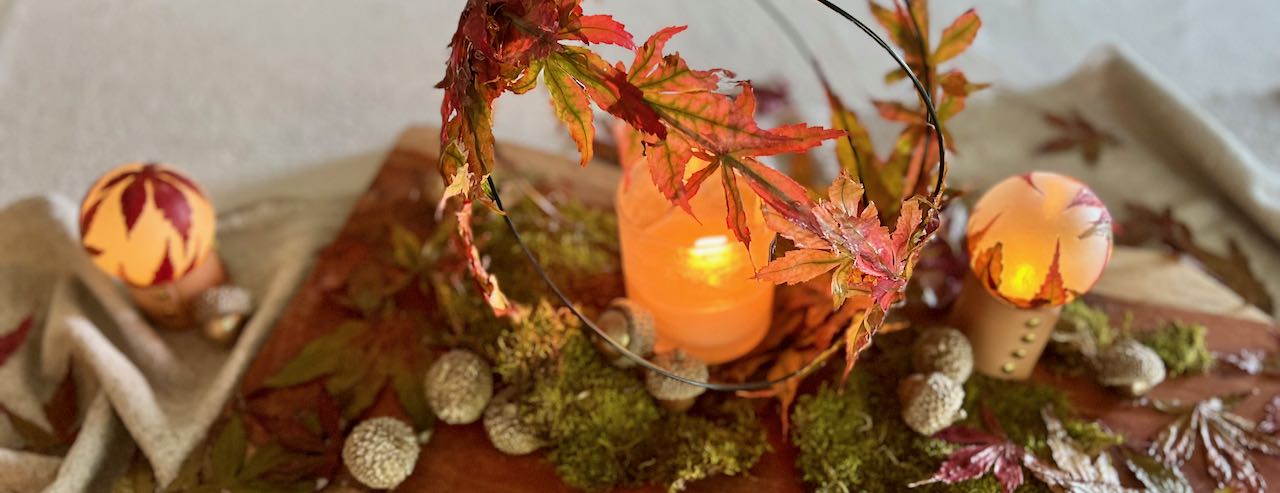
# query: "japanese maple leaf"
[[720, 129], [1074, 131], [984, 452], [1225, 438], [869, 259]]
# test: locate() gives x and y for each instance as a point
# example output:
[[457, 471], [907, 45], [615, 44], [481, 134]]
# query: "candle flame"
[[1023, 282], [712, 258]]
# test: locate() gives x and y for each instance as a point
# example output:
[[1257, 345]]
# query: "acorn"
[[458, 386], [944, 350], [1130, 367], [631, 326], [930, 402], [507, 431], [221, 311], [672, 394], [381, 452]]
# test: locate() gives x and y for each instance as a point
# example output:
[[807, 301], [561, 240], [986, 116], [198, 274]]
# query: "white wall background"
[[301, 97]]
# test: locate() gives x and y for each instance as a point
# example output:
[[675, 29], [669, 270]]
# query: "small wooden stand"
[[1007, 340], [169, 304]]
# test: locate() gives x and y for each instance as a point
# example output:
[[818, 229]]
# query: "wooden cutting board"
[[459, 458]]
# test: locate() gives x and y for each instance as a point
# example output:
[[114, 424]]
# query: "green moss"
[[851, 437], [532, 343], [1181, 346], [1080, 333], [1091, 436], [607, 431], [576, 244]]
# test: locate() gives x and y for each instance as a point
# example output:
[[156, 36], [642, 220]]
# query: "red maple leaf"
[[983, 452]]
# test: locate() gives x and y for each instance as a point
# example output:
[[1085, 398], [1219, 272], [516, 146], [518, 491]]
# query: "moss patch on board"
[[851, 437]]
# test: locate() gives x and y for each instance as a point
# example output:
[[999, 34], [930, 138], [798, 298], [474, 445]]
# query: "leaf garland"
[[504, 45], [1147, 226], [1226, 440], [1074, 131]]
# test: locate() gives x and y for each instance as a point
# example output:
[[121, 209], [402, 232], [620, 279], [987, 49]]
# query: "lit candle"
[[692, 274]]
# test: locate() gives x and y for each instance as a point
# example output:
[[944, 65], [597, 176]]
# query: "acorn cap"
[[458, 386], [676, 395], [1129, 366], [381, 452], [944, 350], [222, 300], [628, 324], [930, 402], [507, 431]]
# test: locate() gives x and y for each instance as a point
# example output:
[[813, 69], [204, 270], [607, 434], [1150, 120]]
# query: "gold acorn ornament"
[[1035, 241], [458, 386], [1129, 367], [930, 402], [944, 350], [153, 228], [631, 326], [673, 394], [381, 452], [221, 310]]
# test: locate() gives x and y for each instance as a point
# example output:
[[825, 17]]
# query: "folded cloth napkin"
[[156, 388]]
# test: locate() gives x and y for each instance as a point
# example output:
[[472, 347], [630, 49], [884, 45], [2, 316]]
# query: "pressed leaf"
[[319, 357], [1077, 132], [1225, 439], [1155, 476], [172, 204]]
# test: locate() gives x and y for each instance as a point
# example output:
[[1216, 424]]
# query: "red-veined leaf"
[[600, 29], [132, 201], [173, 205], [1052, 291], [798, 266], [736, 214], [856, 339], [801, 237], [9, 343], [989, 266], [571, 106], [897, 112], [957, 37]]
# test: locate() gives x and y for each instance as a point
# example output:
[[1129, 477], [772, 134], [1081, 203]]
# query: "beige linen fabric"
[[158, 389]]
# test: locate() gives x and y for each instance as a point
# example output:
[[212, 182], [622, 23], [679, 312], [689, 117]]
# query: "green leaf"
[[406, 248], [571, 104], [320, 357], [265, 459], [352, 370], [409, 390], [957, 37], [1157, 477], [227, 452]]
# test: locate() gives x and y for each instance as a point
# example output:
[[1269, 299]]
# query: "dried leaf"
[[1154, 475], [1270, 423], [1074, 470], [983, 453], [798, 266], [1075, 131], [1225, 438], [1145, 225]]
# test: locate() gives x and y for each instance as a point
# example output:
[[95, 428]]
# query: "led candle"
[[1036, 241], [692, 274]]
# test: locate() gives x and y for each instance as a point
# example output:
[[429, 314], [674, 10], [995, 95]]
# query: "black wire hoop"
[[793, 34]]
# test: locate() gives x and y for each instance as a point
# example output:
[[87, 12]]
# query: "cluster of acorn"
[[933, 397], [381, 452]]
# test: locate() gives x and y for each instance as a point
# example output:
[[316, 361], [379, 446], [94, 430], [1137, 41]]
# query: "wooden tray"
[[459, 458]]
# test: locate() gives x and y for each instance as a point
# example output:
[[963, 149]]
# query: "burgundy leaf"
[[86, 218], [132, 201], [164, 273], [173, 204], [9, 343]]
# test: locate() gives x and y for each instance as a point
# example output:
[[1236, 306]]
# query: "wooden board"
[[459, 458]]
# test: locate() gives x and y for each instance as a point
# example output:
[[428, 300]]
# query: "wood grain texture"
[[459, 458]]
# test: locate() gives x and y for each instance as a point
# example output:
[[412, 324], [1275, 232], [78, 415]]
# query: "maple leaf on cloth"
[[983, 452], [1074, 131], [9, 343], [1225, 438]]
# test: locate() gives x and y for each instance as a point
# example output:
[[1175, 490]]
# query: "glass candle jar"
[[692, 274]]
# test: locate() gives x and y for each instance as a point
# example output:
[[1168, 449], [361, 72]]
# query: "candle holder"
[[1036, 241], [689, 272]]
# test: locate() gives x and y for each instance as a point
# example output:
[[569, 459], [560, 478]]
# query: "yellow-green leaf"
[[319, 357]]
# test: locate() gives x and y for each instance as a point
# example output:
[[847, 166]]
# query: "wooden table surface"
[[459, 458]]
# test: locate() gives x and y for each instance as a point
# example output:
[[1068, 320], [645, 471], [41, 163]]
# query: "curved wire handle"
[[827, 353]]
